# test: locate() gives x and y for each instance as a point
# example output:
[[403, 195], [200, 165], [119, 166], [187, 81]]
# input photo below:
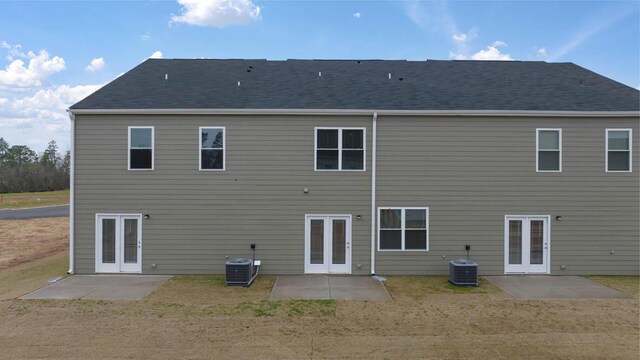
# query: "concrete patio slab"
[[326, 287], [554, 287], [101, 287]]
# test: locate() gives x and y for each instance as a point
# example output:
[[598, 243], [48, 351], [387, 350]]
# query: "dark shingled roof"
[[362, 84]]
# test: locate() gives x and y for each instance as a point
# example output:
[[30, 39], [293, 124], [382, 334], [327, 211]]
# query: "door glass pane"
[[515, 242], [317, 241], [537, 242], [339, 242], [108, 241], [130, 241]]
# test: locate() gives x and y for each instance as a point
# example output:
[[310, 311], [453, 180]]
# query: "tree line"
[[23, 170]]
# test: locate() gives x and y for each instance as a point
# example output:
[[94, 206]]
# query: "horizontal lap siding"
[[471, 172], [199, 218]]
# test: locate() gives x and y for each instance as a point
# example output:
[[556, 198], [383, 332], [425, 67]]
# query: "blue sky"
[[54, 53]]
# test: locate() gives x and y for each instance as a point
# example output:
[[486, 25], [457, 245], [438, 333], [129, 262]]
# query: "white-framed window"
[[403, 229], [549, 150], [618, 150], [140, 148], [340, 149], [211, 154]]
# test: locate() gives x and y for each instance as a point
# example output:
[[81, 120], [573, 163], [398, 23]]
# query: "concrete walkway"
[[328, 287], [554, 287], [37, 212], [101, 287]]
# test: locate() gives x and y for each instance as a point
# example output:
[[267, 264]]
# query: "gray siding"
[[471, 172], [198, 218]]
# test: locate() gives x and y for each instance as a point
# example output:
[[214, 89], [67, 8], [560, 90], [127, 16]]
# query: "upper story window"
[[618, 153], [140, 148], [549, 150], [212, 148], [340, 149], [403, 229]]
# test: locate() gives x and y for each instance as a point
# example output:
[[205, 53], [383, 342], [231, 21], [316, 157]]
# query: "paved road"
[[41, 212]]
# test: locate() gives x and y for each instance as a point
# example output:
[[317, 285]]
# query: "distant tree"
[[50, 157], [21, 155], [22, 170], [4, 148]]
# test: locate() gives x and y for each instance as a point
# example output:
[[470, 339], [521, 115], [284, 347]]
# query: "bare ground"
[[27, 240], [198, 317]]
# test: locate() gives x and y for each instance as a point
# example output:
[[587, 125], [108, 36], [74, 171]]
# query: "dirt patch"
[[199, 317], [27, 240]]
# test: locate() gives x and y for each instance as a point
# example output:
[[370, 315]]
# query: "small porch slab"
[[101, 287], [328, 287], [533, 287]]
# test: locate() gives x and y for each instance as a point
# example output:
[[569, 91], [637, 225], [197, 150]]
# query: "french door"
[[327, 244], [118, 243], [527, 244]]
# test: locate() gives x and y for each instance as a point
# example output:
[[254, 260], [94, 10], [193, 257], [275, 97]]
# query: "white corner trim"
[[72, 154], [374, 126]]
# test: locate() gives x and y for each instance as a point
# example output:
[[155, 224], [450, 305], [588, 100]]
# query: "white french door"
[[527, 241], [327, 244], [118, 243]]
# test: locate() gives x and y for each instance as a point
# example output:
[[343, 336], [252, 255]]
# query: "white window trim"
[[538, 150], [224, 148], [606, 151], [403, 228], [364, 148], [153, 147]]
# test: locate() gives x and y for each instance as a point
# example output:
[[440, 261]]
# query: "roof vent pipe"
[[319, 74], [238, 83], [166, 77], [389, 76]]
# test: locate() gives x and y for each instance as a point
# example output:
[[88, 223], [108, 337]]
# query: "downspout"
[[373, 193], [72, 153]]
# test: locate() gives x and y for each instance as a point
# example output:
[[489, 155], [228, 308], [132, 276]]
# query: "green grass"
[[418, 287], [34, 199], [22, 279], [627, 284]]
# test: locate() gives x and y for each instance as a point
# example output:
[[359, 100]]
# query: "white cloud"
[[96, 64], [456, 56], [541, 53], [357, 15], [491, 52], [145, 37], [17, 75], [217, 13], [465, 37], [44, 110], [15, 51], [156, 55]]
